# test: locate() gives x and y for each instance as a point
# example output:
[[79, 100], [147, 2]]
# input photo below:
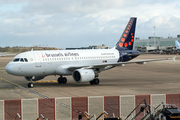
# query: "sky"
[[81, 23]]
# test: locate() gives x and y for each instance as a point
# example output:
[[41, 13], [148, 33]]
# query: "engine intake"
[[83, 75]]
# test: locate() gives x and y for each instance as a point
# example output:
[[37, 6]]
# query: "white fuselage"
[[56, 62]]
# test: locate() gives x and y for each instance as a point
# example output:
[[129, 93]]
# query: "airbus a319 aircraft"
[[83, 65]]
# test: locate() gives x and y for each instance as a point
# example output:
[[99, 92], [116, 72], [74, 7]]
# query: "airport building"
[[152, 44], [156, 44]]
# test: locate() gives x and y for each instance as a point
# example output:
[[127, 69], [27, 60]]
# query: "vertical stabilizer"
[[177, 45], [127, 38]]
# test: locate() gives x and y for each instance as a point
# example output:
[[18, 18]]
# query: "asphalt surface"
[[161, 77]]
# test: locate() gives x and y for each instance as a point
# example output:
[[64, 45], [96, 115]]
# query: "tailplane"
[[177, 45], [127, 38]]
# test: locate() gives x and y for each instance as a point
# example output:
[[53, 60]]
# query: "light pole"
[[154, 35]]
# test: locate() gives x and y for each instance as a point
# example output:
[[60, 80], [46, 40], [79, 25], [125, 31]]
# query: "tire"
[[96, 81], [30, 85], [59, 80], [64, 80], [92, 82]]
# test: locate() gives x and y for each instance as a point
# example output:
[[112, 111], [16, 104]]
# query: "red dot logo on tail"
[[120, 44], [125, 35], [123, 39], [125, 44]]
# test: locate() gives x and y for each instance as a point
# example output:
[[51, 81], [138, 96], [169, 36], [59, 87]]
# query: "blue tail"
[[177, 45], [127, 38]]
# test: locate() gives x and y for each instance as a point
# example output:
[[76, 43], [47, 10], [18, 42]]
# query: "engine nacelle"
[[34, 78], [83, 75]]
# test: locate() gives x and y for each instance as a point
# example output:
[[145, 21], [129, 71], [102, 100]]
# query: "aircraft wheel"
[[59, 80], [92, 82], [64, 80], [96, 81], [30, 85]]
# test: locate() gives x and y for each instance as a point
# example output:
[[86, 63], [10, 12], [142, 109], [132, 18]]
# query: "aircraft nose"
[[10, 68]]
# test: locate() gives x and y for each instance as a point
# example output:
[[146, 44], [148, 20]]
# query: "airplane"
[[83, 65], [177, 45]]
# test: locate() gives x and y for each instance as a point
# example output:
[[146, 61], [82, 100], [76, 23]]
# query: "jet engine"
[[83, 75], [34, 78]]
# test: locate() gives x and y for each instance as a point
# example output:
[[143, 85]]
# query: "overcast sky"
[[78, 23]]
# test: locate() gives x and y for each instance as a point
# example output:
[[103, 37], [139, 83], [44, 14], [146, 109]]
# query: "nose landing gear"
[[30, 85]]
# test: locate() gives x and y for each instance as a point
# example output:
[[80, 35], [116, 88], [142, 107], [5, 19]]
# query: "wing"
[[106, 66]]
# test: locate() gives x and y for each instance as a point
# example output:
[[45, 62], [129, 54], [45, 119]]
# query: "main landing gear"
[[62, 80], [95, 81]]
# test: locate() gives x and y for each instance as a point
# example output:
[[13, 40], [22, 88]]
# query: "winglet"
[[174, 58]]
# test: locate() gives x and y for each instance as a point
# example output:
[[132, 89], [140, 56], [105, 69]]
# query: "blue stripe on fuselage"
[[127, 55]]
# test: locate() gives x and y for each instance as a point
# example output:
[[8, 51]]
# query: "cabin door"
[[37, 61]]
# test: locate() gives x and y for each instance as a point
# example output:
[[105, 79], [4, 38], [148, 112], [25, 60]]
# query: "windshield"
[[20, 60], [16, 60]]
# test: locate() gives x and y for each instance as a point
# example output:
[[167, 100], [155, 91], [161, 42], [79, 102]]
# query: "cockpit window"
[[16, 60], [25, 59], [21, 60]]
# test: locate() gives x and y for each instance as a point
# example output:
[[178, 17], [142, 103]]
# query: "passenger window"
[[16, 60], [21, 60], [25, 59]]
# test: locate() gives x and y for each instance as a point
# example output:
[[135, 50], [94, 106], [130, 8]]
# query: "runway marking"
[[23, 88], [10, 82], [62, 104], [49, 81]]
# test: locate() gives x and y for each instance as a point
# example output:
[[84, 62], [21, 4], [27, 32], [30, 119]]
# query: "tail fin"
[[177, 45], [127, 38]]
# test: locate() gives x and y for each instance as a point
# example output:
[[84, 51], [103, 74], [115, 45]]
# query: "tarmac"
[[160, 77]]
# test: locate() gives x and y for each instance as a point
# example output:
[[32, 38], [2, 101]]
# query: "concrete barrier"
[[68, 108]]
